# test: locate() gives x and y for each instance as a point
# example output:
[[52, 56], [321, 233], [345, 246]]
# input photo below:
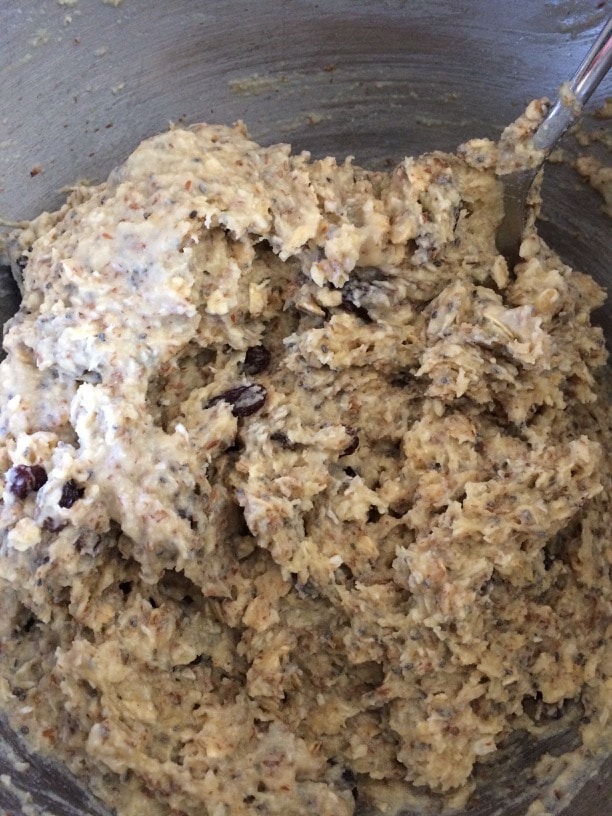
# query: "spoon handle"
[[591, 71]]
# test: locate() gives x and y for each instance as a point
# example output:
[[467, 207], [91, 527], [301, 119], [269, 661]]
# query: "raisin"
[[361, 312], [349, 776], [188, 517], [24, 479], [283, 440], [373, 515], [244, 399], [403, 378], [256, 360], [237, 446], [352, 294], [71, 493], [399, 510], [353, 444], [52, 525]]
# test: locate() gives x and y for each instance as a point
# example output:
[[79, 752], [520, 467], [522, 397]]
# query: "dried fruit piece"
[[402, 378], [283, 440], [360, 311], [244, 399], [352, 293], [373, 515], [256, 360], [52, 525], [24, 479], [71, 493], [353, 445]]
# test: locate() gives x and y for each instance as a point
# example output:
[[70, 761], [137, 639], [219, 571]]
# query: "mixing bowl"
[[83, 81]]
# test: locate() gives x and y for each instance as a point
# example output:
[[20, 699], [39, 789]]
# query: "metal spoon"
[[517, 184]]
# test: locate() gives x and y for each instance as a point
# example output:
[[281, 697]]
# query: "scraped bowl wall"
[[82, 84]]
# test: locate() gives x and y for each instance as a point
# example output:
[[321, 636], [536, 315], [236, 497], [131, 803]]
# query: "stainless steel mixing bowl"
[[83, 81]]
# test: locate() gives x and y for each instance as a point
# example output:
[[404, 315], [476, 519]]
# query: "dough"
[[302, 491]]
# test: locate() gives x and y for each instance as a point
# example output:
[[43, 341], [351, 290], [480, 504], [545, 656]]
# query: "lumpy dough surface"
[[302, 490]]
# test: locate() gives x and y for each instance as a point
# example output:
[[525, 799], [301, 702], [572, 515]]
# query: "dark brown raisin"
[[244, 399], [24, 479], [283, 440], [348, 306], [353, 444], [350, 778], [52, 525], [373, 515], [237, 446], [399, 510], [184, 514], [352, 294], [71, 493], [402, 378], [256, 360]]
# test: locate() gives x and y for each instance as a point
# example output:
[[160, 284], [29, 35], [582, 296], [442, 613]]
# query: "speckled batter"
[[301, 489]]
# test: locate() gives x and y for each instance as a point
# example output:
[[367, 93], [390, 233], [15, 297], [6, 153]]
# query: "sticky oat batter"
[[300, 488]]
